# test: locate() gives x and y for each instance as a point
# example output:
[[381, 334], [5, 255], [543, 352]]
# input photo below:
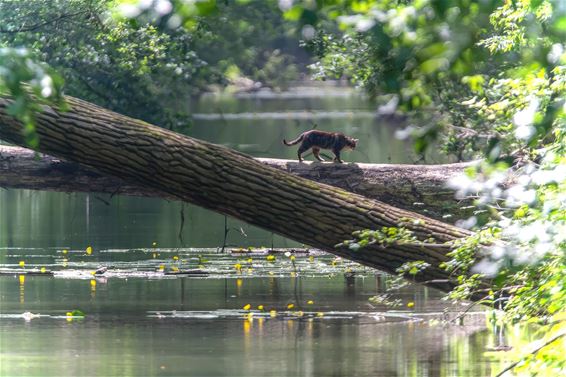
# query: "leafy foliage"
[[383, 237], [486, 79], [150, 70], [132, 68], [240, 39], [251, 40], [29, 85]]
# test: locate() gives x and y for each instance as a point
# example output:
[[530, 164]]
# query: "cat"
[[317, 140]]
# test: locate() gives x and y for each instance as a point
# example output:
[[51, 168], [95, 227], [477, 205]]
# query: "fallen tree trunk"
[[235, 184], [420, 188], [23, 168]]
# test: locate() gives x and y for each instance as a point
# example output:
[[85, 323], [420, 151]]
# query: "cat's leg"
[[315, 152], [337, 154], [302, 149]]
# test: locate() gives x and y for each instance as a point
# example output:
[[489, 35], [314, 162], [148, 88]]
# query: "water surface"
[[316, 319]]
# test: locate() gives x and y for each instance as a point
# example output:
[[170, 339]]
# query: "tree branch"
[[23, 28]]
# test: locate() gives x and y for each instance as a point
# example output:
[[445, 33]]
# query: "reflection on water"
[[288, 115], [141, 322], [312, 318]]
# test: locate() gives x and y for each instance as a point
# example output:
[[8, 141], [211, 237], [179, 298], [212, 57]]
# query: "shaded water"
[[141, 322]]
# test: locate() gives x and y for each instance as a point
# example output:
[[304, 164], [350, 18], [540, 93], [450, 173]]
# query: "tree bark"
[[418, 188], [235, 184]]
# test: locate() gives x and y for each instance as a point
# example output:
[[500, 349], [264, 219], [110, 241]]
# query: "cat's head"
[[351, 142]]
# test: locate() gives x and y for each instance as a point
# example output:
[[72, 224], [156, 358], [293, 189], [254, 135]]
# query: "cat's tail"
[[293, 142]]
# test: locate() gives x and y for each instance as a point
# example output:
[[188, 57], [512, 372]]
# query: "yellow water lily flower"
[[175, 257], [247, 307], [310, 302], [273, 313], [320, 314], [290, 306], [89, 250], [270, 258], [260, 307], [42, 270], [410, 304]]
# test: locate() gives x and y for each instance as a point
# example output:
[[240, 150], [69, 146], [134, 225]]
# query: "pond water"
[[316, 319]]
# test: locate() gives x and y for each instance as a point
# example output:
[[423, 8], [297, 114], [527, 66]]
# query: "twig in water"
[[226, 230], [182, 213]]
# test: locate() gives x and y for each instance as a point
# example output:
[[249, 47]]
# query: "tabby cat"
[[317, 140]]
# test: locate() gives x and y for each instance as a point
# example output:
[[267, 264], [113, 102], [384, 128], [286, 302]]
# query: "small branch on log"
[[419, 188]]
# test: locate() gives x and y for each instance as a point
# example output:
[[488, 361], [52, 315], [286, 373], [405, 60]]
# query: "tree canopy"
[[149, 70]]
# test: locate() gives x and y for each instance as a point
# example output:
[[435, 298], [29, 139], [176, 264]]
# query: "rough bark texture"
[[419, 188], [234, 184]]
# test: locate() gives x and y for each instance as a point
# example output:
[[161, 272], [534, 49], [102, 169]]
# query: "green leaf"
[[294, 14], [78, 313], [560, 24]]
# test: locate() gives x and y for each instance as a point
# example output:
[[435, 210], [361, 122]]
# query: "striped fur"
[[317, 140]]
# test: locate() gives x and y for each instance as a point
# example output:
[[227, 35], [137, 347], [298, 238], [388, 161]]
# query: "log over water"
[[235, 184], [418, 188]]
